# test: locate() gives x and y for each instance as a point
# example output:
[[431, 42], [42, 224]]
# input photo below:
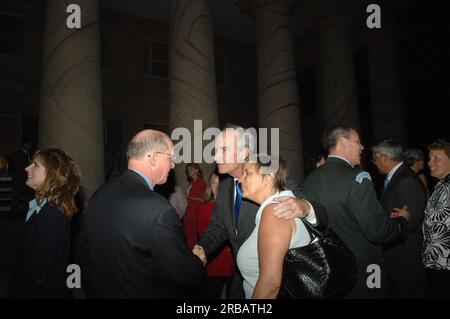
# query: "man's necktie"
[[386, 182], [238, 200]]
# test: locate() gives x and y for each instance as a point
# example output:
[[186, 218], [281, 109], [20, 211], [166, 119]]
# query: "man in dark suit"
[[21, 193], [402, 187], [236, 222], [133, 245], [354, 212]]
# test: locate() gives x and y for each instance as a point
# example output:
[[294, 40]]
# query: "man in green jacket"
[[354, 212]]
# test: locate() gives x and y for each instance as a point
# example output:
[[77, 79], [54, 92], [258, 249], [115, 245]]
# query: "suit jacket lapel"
[[230, 201], [394, 180]]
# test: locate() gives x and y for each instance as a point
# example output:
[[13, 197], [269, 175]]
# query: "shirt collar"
[[393, 170], [145, 177], [35, 207]]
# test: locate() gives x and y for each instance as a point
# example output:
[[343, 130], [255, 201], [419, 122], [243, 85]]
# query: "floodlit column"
[[193, 93], [278, 102], [70, 115]]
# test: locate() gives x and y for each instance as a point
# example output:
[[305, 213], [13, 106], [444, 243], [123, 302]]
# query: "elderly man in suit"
[[133, 245], [233, 217], [402, 187], [354, 212]]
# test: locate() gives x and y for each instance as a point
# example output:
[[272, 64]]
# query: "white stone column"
[[193, 94], [278, 102], [70, 115], [339, 99]]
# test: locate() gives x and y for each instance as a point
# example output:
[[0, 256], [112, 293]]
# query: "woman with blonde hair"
[[44, 248]]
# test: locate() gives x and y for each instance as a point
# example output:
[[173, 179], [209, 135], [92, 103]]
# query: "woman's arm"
[[274, 237]]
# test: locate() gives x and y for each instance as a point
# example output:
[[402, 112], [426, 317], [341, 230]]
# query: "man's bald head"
[[147, 141]]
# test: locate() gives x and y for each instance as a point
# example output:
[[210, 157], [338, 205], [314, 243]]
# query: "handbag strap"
[[313, 232]]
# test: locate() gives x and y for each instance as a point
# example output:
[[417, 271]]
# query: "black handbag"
[[325, 268]]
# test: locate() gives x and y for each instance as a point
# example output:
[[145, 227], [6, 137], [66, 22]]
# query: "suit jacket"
[[42, 257], [133, 245], [223, 223], [356, 216], [403, 257]]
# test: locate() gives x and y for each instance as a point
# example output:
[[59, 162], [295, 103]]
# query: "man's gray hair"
[[245, 137], [139, 147], [389, 147], [332, 135]]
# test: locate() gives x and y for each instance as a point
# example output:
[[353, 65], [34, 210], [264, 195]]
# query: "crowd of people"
[[227, 237]]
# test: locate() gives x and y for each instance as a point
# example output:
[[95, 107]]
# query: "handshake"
[[200, 253]]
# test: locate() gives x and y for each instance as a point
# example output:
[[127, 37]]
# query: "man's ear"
[[152, 159], [342, 143]]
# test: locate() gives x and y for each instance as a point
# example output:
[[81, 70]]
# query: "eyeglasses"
[[172, 157]]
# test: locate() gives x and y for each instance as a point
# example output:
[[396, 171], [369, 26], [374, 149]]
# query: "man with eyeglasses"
[[132, 240]]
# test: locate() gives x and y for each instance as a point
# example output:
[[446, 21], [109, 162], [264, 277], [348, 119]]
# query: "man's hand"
[[289, 207], [401, 212], [200, 253]]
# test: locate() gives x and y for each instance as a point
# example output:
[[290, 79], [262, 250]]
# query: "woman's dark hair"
[[266, 165], [313, 160], [412, 155], [197, 167]]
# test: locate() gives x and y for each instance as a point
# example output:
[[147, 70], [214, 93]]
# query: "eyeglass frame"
[[172, 157]]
